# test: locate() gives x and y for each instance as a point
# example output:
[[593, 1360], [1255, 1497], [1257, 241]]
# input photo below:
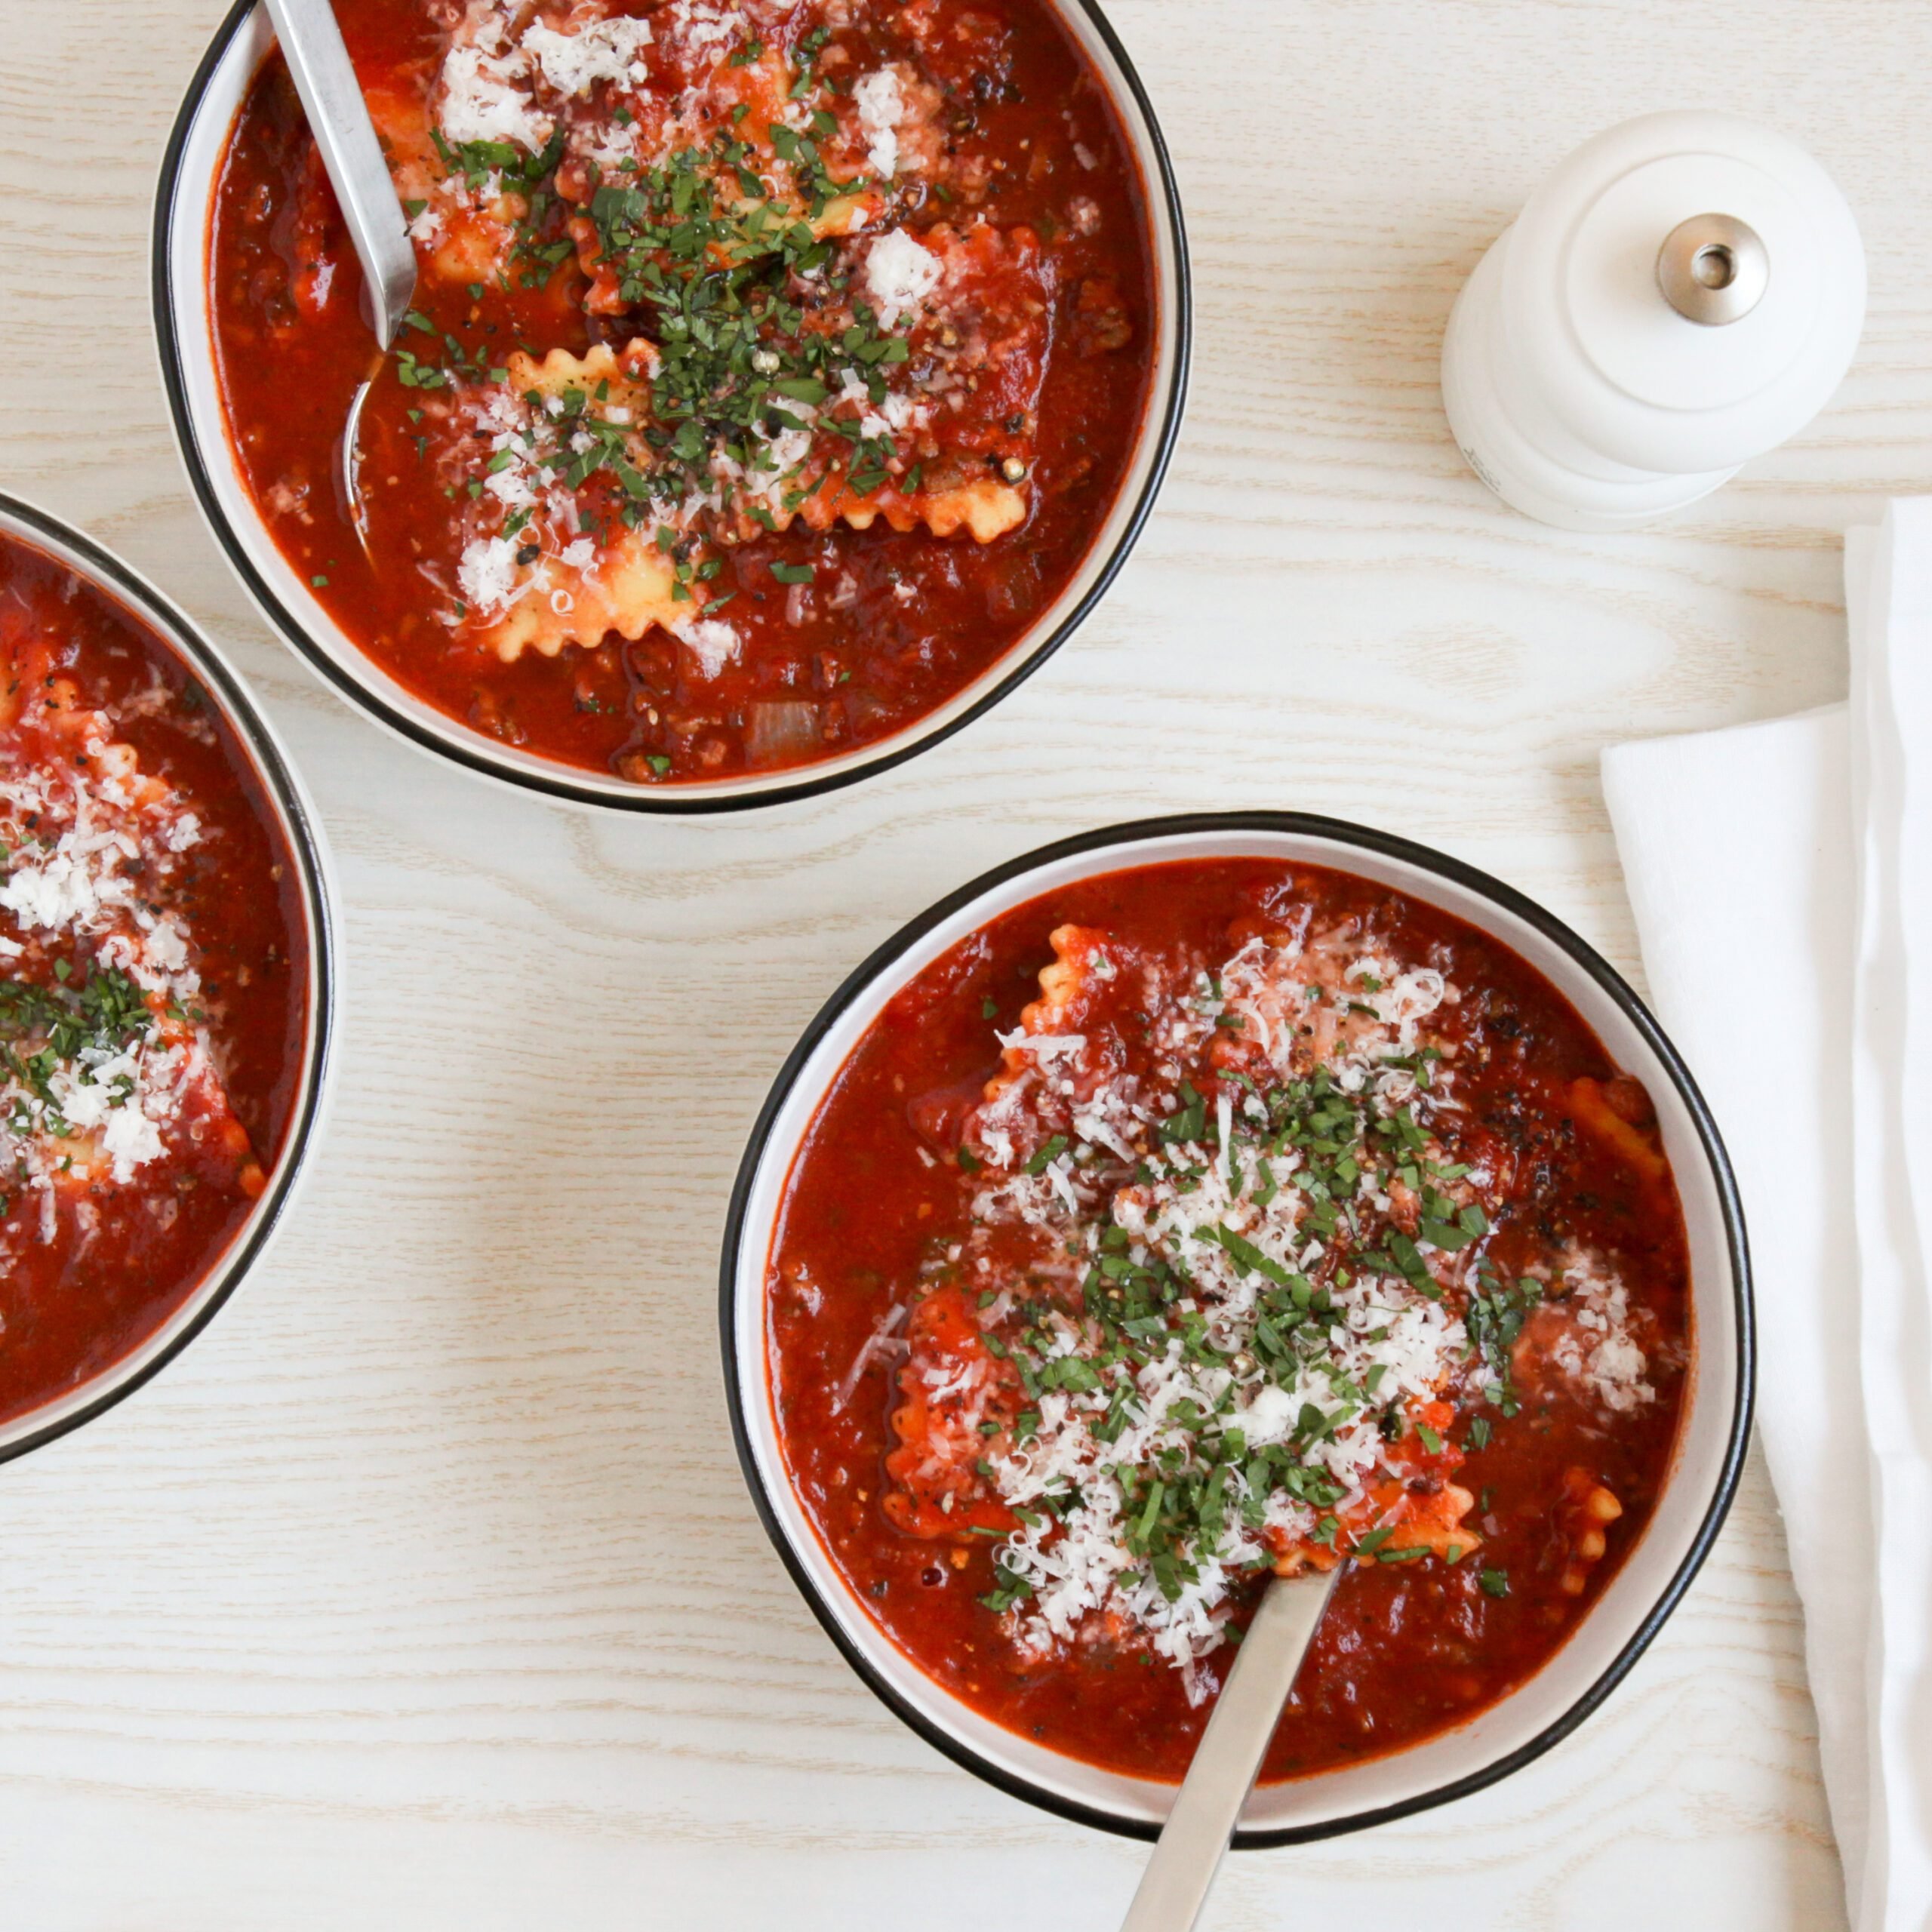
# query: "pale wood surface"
[[423, 1592]]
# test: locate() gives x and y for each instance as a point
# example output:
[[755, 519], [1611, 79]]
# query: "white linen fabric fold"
[[1781, 875], [1891, 722]]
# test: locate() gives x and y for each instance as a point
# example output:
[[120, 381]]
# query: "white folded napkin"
[[1781, 875]]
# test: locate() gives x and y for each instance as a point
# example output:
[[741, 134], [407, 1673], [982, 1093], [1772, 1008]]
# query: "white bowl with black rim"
[[1656, 1573], [182, 296], [298, 833]]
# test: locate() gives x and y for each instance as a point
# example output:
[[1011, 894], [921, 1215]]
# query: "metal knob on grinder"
[[1713, 270]]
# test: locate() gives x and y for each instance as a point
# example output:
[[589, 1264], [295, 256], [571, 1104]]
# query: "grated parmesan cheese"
[[486, 98], [573, 63], [701, 25], [487, 572], [881, 104], [900, 274], [1600, 1351], [711, 642]]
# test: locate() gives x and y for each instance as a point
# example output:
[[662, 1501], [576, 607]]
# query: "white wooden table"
[[422, 1593]]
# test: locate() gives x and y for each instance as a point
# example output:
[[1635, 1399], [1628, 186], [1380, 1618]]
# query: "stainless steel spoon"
[[339, 118], [348, 464], [1194, 1840]]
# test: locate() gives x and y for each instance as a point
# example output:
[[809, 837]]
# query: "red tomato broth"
[[291, 349], [1407, 1649], [125, 1255]]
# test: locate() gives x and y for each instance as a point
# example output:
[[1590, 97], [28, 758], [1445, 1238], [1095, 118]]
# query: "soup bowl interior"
[[183, 297], [1638, 1599], [296, 834]]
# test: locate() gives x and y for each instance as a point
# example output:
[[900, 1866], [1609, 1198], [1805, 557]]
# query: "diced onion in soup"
[[781, 733]]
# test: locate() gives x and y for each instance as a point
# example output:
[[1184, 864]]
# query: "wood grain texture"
[[423, 1592]]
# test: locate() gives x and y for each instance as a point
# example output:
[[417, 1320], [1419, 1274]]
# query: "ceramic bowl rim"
[[1403, 851]]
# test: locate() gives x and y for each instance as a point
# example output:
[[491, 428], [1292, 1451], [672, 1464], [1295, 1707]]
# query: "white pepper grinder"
[[1684, 293]]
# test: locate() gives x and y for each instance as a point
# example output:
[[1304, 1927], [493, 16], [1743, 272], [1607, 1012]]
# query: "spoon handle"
[[1174, 1886], [339, 118]]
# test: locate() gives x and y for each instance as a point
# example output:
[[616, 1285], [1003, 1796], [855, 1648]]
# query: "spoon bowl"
[[348, 468]]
